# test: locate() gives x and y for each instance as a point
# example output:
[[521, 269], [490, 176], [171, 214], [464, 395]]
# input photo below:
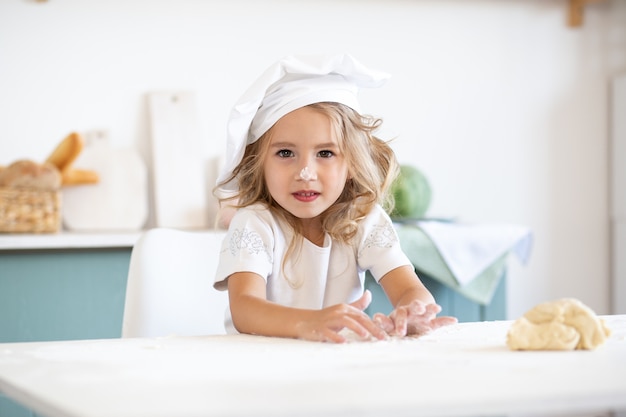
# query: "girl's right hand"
[[325, 325]]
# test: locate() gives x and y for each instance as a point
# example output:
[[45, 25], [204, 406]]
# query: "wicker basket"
[[29, 211]]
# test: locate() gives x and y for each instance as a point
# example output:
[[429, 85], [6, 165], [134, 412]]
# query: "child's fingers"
[[384, 322], [371, 327], [443, 321], [328, 335], [400, 317], [364, 328], [417, 308]]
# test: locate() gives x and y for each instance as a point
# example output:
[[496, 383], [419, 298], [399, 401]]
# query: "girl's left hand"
[[413, 319]]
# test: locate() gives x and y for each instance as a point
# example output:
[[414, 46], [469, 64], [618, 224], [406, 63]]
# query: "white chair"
[[170, 285]]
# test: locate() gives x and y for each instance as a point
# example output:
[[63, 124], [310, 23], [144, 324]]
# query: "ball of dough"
[[564, 324]]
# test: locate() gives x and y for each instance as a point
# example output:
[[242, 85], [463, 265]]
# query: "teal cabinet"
[[62, 294]]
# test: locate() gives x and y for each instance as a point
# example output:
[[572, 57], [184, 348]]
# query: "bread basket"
[[25, 210]]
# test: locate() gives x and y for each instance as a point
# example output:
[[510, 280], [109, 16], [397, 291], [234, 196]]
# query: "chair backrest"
[[170, 285]]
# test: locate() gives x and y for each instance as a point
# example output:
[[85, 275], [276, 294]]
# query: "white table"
[[462, 370]]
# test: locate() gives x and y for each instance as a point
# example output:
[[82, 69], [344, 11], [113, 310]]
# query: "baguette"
[[73, 176], [66, 151]]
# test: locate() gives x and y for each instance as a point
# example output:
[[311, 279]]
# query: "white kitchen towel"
[[469, 249]]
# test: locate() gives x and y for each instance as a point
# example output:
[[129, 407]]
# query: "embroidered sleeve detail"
[[249, 241], [381, 236]]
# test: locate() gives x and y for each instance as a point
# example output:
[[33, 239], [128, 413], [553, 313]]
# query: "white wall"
[[501, 104]]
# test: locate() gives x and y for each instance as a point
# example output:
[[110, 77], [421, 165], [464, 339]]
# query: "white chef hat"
[[293, 82]]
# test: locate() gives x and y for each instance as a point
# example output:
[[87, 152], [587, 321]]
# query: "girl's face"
[[304, 138]]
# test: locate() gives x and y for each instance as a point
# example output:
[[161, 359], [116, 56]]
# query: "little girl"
[[309, 181]]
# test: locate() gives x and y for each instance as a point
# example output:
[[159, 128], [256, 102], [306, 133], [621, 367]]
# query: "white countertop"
[[68, 240], [460, 370]]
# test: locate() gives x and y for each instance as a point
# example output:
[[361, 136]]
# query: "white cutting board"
[[119, 201], [179, 178]]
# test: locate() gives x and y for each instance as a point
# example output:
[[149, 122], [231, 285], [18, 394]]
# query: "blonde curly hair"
[[372, 168]]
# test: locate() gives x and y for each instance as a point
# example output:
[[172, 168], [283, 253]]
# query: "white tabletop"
[[461, 370]]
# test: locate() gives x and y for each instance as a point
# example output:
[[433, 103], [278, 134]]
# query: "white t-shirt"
[[317, 276]]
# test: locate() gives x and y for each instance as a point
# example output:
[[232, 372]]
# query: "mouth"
[[306, 196]]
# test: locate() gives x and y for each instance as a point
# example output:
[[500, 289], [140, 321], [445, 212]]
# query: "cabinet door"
[[61, 294]]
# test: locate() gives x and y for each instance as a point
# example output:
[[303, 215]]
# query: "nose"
[[307, 174]]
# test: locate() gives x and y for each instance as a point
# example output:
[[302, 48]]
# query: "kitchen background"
[[502, 105]]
